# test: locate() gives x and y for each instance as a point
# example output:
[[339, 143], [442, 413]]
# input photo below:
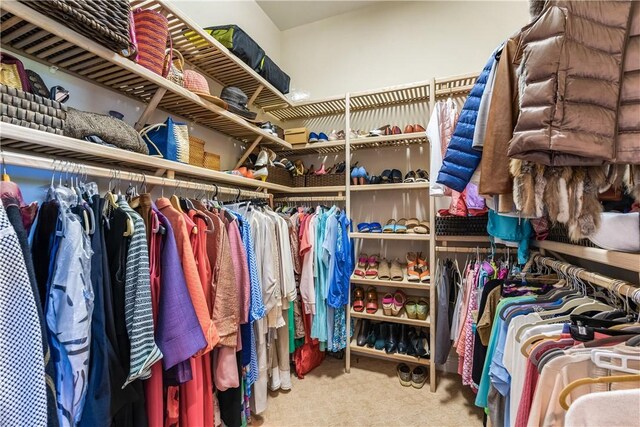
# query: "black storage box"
[[274, 75], [238, 42]]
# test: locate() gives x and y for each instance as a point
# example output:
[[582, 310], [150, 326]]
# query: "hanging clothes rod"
[[43, 163], [461, 250], [310, 199], [620, 287]]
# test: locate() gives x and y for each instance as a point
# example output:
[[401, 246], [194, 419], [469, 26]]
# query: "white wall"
[[397, 42], [244, 13]]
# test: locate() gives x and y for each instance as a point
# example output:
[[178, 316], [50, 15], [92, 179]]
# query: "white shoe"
[[274, 379], [353, 134], [285, 380], [263, 159], [333, 136], [261, 174]]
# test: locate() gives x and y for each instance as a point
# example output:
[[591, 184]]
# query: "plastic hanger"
[[175, 201], [587, 381], [603, 359]]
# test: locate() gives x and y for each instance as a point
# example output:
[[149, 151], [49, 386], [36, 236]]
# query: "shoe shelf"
[[380, 317], [396, 187], [386, 141], [381, 354], [359, 101], [210, 57], [328, 147], [24, 140], [391, 236], [454, 86], [401, 284], [29, 33], [625, 260]]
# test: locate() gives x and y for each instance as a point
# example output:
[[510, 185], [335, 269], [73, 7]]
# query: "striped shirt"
[[137, 303]]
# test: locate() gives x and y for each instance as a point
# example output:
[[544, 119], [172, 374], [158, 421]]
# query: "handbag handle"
[[167, 64], [168, 56], [143, 134]]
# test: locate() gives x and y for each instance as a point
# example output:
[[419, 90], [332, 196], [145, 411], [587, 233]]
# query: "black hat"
[[237, 100]]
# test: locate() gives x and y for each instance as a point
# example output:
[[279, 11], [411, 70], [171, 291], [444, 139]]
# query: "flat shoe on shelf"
[[364, 227], [397, 274], [385, 176], [387, 304], [384, 273], [413, 273], [361, 267], [396, 176], [421, 228], [358, 299], [399, 298], [401, 226], [418, 128], [422, 175], [372, 269], [411, 307], [390, 226], [372, 300], [410, 177], [409, 129], [411, 223], [313, 137], [422, 309], [375, 227]]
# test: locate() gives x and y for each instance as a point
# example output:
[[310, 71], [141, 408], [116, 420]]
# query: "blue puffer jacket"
[[461, 160]]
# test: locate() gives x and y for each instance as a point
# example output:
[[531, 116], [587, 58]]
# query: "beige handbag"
[[176, 67]]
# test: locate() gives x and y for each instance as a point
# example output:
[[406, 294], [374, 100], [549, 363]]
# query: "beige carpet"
[[370, 395]]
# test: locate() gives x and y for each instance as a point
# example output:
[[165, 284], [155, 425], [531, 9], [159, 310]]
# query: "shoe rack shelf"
[[29, 33], [381, 354], [380, 317], [393, 187], [400, 284], [362, 143], [391, 236], [470, 239]]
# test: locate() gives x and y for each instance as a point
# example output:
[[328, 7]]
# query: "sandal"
[[385, 176], [425, 274], [410, 176], [411, 308], [375, 227], [364, 227], [384, 273], [387, 304], [396, 176], [412, 223], [390, 226], [397, 275], [422, 175], [422, 309], [361, 268], [422, 228], [399, 298], [372, 300], [413, 271], [358, 299], [401, 226], [372, 269]]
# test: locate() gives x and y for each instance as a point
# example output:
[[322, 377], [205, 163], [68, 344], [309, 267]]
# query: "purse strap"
[[167, 65], [168, 56], [143, 134]]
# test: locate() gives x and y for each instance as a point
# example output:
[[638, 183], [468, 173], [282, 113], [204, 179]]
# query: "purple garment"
[[473, 199], [178, 334]]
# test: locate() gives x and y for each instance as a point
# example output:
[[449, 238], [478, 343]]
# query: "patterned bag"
[[169, 140]]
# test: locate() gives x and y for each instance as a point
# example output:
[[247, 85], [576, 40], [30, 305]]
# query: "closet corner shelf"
[[382, 187], [29, 33], [381, 354], [405, 284], [314, 147], [379, 317], [391, 236], [367, 100], [317, 190], [455, 85], [470, 239], [624, 260]]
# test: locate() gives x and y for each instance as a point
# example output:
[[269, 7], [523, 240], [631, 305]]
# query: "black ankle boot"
[[403, 340], [364, 332], [374, 332], [391, 345], [412, 341]]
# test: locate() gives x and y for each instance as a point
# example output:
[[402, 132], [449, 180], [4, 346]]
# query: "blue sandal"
[[375, 227], [390, 226], [364, 227]]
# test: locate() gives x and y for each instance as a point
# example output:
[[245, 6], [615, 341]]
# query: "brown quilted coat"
[[572, 95]]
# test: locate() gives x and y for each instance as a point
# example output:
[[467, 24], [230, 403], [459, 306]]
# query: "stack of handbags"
[[107, 22]]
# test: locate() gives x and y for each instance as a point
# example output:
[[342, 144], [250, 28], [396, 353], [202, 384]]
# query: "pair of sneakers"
[[316, 137], [412, 378]]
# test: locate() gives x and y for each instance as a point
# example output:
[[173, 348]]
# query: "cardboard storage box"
[[296, 135]]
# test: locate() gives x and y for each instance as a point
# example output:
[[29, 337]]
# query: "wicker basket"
[[103, 21], [152, 33], [211, 161], [196, 151], [461, 225], [558, 233], [326, 180], [299, 181], [279, 176], [32, 111]]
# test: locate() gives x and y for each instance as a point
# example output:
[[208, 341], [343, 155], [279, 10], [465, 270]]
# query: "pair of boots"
[[393, 337]]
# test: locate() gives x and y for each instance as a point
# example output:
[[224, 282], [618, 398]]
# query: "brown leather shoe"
[[396, 130], [418, 128], [408, 129]]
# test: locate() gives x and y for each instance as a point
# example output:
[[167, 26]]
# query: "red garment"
[[153, 390]]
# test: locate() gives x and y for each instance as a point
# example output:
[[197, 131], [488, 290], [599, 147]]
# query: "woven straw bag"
[[152, 33], [176, 67]]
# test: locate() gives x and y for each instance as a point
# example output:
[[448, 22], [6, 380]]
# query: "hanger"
[[603, 359], [175, 201], [111, 203], [587, 381]]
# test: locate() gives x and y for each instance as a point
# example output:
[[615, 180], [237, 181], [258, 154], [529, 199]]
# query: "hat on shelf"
[[196, 83], [236, 101]]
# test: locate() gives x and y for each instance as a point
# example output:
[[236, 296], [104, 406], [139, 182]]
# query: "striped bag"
[[152, 33]]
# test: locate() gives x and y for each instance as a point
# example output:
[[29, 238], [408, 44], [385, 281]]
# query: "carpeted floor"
[[370, 395]]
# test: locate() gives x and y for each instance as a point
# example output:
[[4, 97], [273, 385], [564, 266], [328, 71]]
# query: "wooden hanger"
[[600, 380]]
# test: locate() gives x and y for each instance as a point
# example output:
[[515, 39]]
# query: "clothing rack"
[[461, 250], [310, 199], [619, 287], [72, 168]]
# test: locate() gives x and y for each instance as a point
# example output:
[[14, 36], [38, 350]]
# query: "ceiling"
[[290, 14]]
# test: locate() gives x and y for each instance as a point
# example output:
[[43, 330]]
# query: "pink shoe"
[[321, 171]]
